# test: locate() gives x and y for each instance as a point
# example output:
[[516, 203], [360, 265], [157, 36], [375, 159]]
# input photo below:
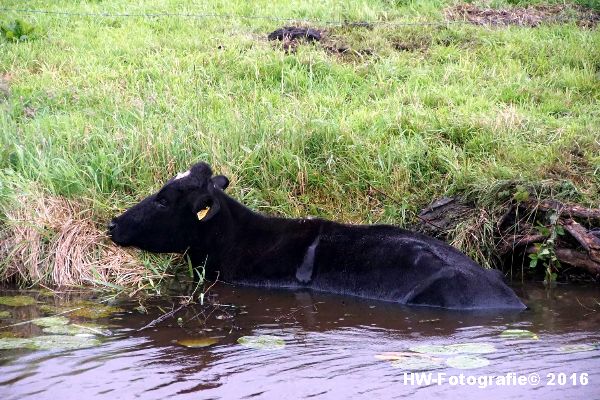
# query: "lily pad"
[[262, 342], [459, 348], [48, 309], [66, 330], [416, 364], [473, 348], [467, 362], [62, 342], [12, 334], [78, 329], [434, 349], [411, 361], [195, 343], [4, 314], [51, 321], [91, 310], [518, 334], [95, 328], [17, 301], [9, 343], [576, 348]]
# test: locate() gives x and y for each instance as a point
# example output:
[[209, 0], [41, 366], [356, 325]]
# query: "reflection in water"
[[331, 343]]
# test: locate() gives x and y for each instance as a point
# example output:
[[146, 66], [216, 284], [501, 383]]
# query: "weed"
[[545, 253], [17, 30]]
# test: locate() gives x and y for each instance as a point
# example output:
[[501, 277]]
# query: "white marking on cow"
[[305, 270], [182, 174]]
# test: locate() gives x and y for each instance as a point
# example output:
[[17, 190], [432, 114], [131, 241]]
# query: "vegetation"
[[98, 112]]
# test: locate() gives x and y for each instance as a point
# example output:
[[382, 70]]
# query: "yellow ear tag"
[[202, 213]]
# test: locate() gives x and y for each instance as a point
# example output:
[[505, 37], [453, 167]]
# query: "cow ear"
[[204, 209], [220, 182]]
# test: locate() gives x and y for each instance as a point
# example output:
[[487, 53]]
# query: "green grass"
[[105, 109]]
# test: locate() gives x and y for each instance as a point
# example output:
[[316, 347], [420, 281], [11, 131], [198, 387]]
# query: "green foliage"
[[545, 253], [17, 30], [197, 273], [521, 194]]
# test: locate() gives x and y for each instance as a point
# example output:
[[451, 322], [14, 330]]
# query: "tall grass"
[[102, 111]]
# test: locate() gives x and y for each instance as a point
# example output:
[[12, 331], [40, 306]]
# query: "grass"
[[100, 111]]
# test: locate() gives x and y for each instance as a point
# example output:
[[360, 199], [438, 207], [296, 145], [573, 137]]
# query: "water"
[[330, 348]]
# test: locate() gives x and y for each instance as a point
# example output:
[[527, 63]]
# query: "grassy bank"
[[99, 111]]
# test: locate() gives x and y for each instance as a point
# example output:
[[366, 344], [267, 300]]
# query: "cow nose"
[[111, 226]]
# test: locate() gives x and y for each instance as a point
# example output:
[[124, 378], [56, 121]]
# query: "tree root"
[[521, 228]]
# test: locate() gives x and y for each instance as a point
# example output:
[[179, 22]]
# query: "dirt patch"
[[292, 36], [290, 33], [530, 16]]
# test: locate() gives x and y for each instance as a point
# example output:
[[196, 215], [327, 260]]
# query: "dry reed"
[[52, 240]]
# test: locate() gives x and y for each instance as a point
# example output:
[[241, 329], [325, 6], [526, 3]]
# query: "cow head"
[[170, 220]]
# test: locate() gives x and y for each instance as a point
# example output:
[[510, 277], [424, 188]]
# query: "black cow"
[[192, 214]]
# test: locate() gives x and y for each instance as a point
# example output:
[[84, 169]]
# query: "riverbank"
[[98, 111]]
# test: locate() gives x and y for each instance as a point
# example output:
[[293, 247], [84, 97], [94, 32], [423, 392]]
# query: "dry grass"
[[51, 240], [532, 15]]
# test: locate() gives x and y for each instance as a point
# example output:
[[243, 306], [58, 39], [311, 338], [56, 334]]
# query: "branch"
[[578, 259], [519, 240], [588, 241], [163, 317], [566, 210]]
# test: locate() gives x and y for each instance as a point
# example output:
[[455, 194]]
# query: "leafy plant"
[[17, 30], [545, 252], [521, 195]]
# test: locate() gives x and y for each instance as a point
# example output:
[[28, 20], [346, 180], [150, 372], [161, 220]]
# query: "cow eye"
[[162, 202]]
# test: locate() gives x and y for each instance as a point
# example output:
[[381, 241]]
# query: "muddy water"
[[330, 348]]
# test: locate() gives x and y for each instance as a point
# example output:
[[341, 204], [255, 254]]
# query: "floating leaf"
[[79, 329], [8, 343], [473, 348], [434, 349], [518, 334], [459, 348], [467, 362], [51, 321], [17, 301], [11, 334], [411, 361], [416, 364], [49, 342], [61, 342], [4, 314], [262, 342], [195, 343], [576, 348], [67, 330], [93, 310], [96, 329], [48, 309]]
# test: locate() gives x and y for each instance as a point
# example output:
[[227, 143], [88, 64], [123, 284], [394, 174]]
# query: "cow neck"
[[238, 226]]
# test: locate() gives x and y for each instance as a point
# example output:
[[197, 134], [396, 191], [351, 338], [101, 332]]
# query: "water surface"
[[331, 344]]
